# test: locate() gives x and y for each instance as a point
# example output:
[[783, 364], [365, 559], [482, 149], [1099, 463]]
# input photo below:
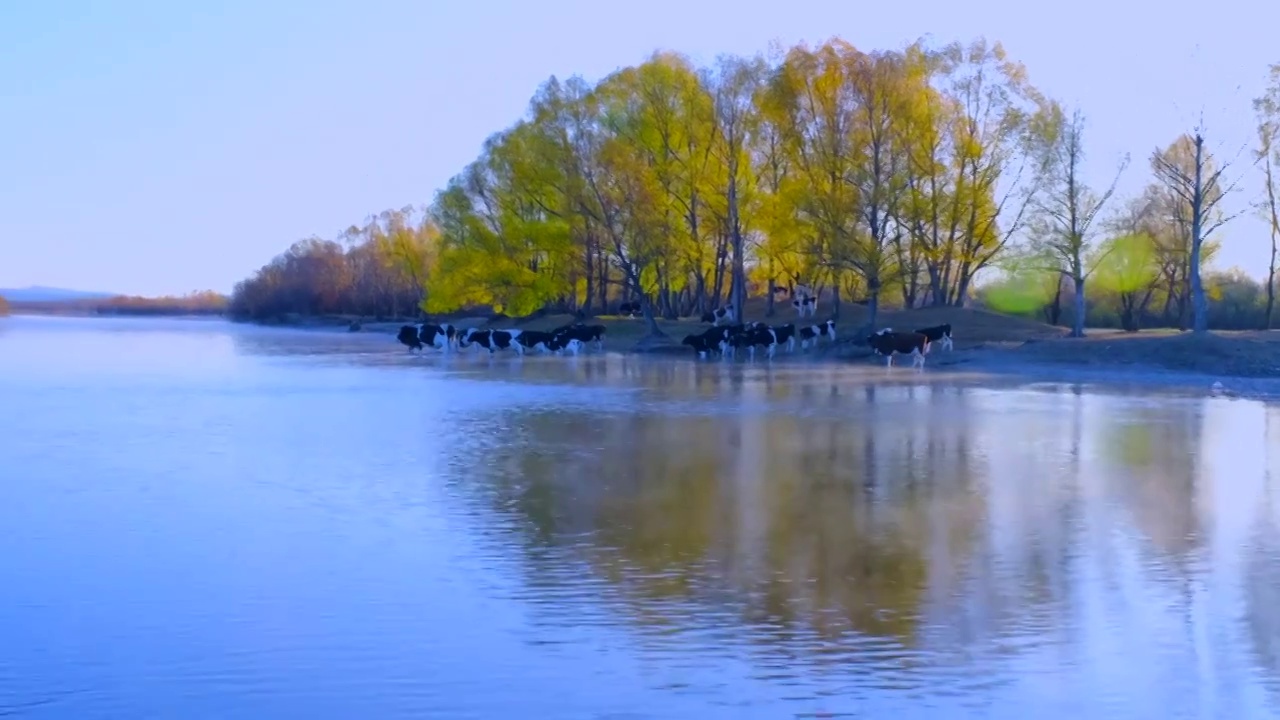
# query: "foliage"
[[205, 302], [381, 271], [835, 167], [885, 176], [1235, 300], [1126, 263]]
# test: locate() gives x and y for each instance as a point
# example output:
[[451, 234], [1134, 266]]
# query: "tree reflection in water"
[[903, 536]]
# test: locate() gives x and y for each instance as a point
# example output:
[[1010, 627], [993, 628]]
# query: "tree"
[[1267, 108], [734, 85], [991, 105], [1029, 284], [404, 242], [860, 174], [654, 152], [811, 107], [1187, 171], [1068, 208], [1126, 266]]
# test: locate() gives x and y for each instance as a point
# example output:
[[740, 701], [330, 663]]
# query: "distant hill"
[[37, 293]]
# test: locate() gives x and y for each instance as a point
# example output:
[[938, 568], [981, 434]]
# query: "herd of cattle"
[[570, 338], [723, 340], [726, 340]]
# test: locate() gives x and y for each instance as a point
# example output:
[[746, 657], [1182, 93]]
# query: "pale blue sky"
[[161, 147]]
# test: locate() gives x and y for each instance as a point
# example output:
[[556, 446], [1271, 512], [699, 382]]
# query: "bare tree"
[[1195, 181], [1268, 154], [1067, 208]]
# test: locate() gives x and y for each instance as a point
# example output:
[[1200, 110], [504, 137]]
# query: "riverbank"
[[1245, 363]]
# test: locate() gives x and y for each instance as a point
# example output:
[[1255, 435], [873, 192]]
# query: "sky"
[[153, 147]]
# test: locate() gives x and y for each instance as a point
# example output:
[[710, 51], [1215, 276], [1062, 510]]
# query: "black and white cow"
[[811, 333], [753, 337], [494, 340], [559, 343], [535, 340], [785, 334], [938, 332], [440, 337], [805, 305], [408, 336], [889, 343], [715, 317], [630, 308], [722, 335], [713, 340], [466, 338], [702, 344], [582, 333]]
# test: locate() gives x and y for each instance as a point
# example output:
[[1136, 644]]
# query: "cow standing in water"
[[582, 333], [811, 333], [889, 343], [440, 337], [785, 334], [408, 336]]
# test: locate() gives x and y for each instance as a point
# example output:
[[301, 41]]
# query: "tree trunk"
[[1127, 322], [1199, 306], [835, 300], [650, 320], [962, 288], [717, 285], [1275, 238], [591, 281], [739, 297], [646, 306], [1077, 324], [1271, 284], [937, 297], [1055, 306], [603, 287], [873, 303]]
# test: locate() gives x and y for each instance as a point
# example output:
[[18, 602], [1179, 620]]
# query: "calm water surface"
[[200, 520]]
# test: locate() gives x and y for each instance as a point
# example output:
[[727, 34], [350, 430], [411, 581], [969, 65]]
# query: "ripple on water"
[[216, 521]]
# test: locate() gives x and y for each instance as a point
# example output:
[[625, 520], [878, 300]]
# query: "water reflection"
[[478, 537], [929, 539]]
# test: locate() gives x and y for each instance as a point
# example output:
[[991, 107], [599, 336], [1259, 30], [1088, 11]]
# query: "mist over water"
[[205, 520]]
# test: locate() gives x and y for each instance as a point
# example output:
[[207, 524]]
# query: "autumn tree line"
[[203, 302], [877, 178]]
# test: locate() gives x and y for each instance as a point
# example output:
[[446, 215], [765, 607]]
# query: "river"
[[206, 520]]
